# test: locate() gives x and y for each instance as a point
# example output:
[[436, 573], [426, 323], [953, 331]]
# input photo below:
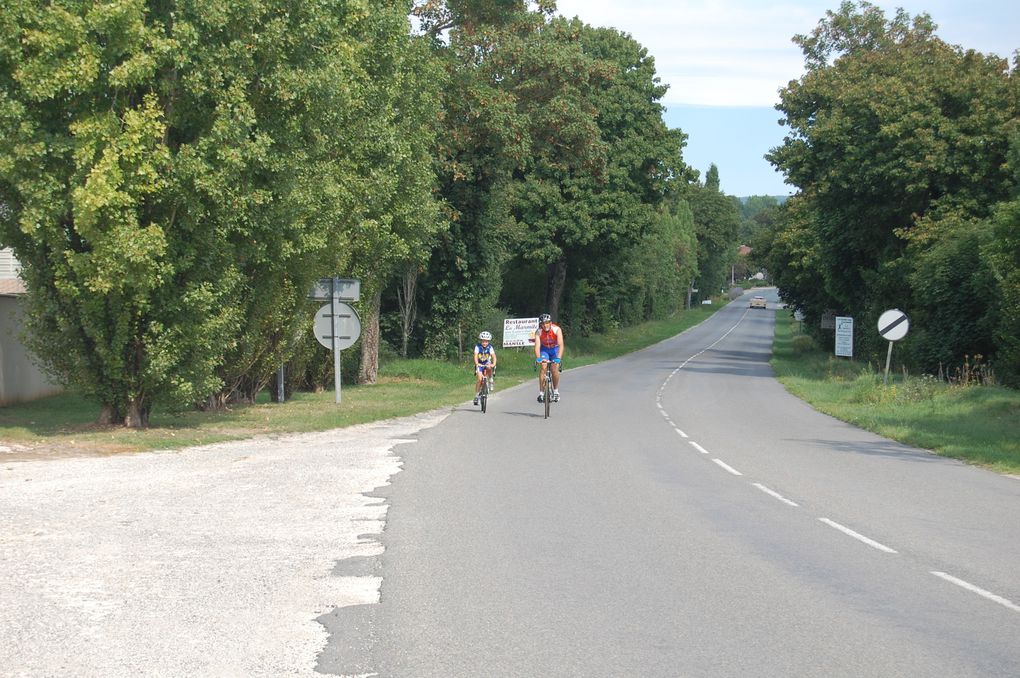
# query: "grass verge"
[[64, 424], [976, 424]]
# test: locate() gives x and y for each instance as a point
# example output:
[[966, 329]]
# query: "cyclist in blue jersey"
[[549, 347], [485, 360]]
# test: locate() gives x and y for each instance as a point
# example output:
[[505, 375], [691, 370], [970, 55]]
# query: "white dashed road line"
[[727, 467], [980, 591], [773, 493], [831, 523], [860, 537]]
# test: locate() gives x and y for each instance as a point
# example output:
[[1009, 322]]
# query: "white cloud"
[[739, 53]]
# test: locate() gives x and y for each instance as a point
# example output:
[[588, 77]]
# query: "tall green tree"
[[1002, 252], [790, 252], [757, 213], [717, 223], [173, 176], [516, 107], [892, 131], [622, 205]]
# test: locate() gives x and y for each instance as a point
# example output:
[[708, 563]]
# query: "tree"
[[791, 253], [401, 211], [1002, 252], [624, 204], [717, 222], [892, 130], [757, 213], [513, 105], [172, 175]]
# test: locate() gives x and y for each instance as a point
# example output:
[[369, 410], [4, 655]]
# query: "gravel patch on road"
[[208, 561]]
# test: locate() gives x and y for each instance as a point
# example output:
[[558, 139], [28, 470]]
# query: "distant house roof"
[[10, 283], [744, 250], [11, 286]]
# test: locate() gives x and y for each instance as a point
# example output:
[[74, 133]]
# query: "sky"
[[725, 61]]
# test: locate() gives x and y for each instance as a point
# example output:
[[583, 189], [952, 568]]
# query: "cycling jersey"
[[550, 337], [484, 353]]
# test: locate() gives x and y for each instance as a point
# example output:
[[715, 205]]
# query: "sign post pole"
[[888, 360], [892, 325], [332, 326], [344, 326]]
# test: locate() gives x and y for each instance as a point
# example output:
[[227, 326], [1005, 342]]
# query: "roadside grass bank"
[[65, 424], [976, 424]]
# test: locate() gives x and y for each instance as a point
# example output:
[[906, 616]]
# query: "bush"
[[802, 343]]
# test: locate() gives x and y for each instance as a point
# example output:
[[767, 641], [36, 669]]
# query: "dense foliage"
[[174, 175], [898, 143]]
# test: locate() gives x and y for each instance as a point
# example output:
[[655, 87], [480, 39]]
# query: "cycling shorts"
[[550, 352], [483, 367]]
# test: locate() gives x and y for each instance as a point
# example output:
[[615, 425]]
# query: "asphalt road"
[[681, 515]]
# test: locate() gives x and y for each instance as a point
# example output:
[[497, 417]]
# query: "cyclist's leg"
[[555, 353], [541, 370]]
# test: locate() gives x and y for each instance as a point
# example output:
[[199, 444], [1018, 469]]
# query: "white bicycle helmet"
[[485, 336]]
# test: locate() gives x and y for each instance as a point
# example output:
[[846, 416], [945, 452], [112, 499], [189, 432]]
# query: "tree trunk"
[[407, 302], [556, 282], [137, 413], [109, 414], [369, 372]]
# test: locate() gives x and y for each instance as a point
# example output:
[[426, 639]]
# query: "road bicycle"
[[483, 393], [547, 394]]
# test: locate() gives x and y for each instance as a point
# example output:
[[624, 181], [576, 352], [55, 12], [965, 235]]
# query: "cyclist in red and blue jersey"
[[549, 348], [485, 360]]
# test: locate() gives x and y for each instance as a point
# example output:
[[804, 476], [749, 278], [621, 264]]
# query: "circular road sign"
[[348, 326], [893, 324]]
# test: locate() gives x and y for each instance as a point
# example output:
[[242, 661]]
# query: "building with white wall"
[[20, 379]]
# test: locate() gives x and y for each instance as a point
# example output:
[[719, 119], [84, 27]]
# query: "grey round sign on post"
[[348, 326], [893, 324]]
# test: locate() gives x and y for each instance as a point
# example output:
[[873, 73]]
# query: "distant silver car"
[[758, 302]]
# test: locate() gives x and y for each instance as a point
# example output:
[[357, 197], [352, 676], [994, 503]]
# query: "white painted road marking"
[[860, 537], [773, 493], [728, 467], [698, 447], [974, 589]]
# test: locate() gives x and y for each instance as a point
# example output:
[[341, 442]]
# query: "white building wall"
[[20, 379], [9, 266]]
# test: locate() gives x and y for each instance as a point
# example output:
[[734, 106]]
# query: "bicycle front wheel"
[[548, 392]]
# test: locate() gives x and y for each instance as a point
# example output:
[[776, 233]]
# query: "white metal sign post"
[[892, 325], [337, 325]]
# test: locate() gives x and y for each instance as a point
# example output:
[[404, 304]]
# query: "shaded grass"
[[976, 424], [64, 424]]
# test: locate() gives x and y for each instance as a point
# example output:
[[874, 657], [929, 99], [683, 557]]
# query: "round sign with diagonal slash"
[[893, 325]]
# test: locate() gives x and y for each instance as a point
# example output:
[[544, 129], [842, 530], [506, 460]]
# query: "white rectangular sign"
[[345, 289], [519, 332], [845, 336]]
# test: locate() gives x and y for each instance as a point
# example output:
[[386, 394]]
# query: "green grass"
[[64, 424], [976, 424]]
